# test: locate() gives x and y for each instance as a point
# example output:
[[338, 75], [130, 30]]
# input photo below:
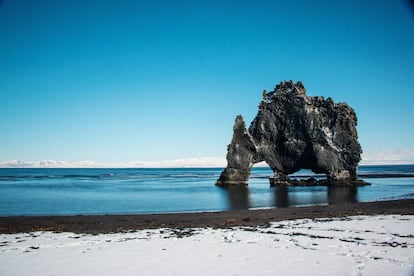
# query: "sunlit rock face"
[[293, 131]]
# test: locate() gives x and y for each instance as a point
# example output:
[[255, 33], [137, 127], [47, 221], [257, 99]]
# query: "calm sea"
[[138, 191]]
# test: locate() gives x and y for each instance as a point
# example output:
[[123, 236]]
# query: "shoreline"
[[100, 224]]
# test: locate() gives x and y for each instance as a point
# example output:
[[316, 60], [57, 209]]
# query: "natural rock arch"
[[293, 131]]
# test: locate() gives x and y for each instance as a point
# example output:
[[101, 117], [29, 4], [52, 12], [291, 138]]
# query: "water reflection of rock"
[[342, 194], [238, 197], [295, 196], [281, 197]]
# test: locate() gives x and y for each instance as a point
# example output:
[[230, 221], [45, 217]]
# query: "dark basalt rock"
[[293, 131], [315, 182]]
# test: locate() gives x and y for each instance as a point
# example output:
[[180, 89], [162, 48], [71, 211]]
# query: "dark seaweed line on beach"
[[95, 224]]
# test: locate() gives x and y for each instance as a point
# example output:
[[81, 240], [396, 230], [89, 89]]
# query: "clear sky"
[[118, 81]]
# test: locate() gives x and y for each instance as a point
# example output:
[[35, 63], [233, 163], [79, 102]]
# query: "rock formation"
[[293, 131]]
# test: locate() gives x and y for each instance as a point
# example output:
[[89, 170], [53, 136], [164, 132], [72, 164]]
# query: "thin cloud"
[[201, 162], [381, 157], [377, 157]]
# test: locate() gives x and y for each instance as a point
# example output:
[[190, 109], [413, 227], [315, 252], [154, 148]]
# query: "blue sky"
[[118, 81]]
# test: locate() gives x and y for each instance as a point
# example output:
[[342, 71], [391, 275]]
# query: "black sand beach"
[[96, 224]]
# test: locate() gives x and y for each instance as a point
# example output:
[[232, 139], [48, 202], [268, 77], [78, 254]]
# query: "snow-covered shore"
[[358, 245]]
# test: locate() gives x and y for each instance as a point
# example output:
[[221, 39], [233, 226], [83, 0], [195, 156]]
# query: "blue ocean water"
[[139, 191]]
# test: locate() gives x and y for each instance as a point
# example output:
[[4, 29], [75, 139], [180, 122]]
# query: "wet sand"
[[95, 224]]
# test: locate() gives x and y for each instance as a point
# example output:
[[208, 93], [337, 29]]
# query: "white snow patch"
[[329, 140], [311, 109], [359, 245]]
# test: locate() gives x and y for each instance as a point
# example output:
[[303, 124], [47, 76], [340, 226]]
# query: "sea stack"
[[293, 131]]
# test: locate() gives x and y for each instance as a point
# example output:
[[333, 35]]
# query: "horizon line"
[[200, 162]]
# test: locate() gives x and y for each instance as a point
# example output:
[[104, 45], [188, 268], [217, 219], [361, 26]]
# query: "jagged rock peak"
[[293, 131], [290, 86], [285, 87]]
